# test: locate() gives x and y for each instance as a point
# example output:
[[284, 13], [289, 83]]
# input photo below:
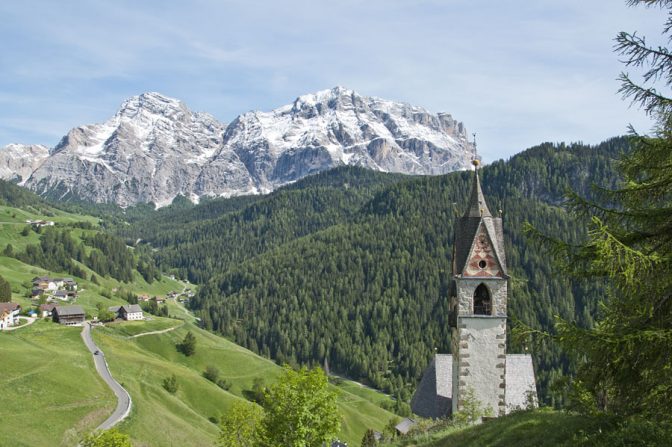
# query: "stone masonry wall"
[[465, 294], [480, 362]]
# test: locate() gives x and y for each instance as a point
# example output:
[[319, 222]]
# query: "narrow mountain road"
[[123, 398]]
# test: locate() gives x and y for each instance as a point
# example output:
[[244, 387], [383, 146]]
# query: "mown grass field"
[[50, 392]]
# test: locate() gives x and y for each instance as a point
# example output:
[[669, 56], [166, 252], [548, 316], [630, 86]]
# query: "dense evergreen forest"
[[18, 197], [352, 267]]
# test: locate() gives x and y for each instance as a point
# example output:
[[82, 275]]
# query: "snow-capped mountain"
[[154, 148], [18, 161]]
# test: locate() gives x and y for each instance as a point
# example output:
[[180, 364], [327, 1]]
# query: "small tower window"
[[482, 302], [482, 264]]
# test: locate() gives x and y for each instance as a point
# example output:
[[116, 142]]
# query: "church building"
[[478, 363]]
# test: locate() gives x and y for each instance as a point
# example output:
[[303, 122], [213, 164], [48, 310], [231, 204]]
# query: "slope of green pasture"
[[51, 393], [142, 363], [363, 391], [20, 216], [151, 324]]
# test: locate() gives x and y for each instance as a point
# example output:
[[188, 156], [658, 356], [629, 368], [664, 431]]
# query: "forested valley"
[[351, 268]]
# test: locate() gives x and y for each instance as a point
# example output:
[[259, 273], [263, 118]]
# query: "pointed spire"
[[477, 205]]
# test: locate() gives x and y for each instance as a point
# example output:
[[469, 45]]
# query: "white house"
[[5, 320], [47, 309], [41, 223], [131, 312], [9, 314]]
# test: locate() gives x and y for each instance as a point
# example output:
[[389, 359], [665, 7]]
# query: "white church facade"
[[478, 362]]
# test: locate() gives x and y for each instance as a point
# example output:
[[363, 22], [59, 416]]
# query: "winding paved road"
[[123, 398]]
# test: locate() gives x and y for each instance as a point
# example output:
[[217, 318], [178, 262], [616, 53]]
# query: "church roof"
[[433, 396]]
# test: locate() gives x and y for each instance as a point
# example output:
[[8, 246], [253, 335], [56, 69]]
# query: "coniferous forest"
[[352, 267]]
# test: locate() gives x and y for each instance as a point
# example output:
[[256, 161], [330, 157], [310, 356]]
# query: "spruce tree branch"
[[649, 99]]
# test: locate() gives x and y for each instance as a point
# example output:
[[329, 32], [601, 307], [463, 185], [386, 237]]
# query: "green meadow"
[[162, 419], [50, 392]]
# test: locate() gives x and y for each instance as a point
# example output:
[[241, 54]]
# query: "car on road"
[[96, 353]]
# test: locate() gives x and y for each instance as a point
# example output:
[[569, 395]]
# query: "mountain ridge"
[[155, 148]]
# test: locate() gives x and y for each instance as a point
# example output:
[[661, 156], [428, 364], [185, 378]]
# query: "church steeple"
[[478, 305], [477, 205], [479, 365]]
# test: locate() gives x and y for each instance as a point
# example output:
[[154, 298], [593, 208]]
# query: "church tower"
[[478, 362], [478, 306]]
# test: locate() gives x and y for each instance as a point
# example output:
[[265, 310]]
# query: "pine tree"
[[5, 291], [369, 439], [188, 345], [626, 365]]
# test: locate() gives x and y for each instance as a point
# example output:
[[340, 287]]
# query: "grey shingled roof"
[[520, 381], [465, 231], [433, 397], [132, 308], [69, 310], [405, 426]]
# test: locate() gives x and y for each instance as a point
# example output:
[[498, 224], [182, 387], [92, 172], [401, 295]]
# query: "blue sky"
[[516, 72]]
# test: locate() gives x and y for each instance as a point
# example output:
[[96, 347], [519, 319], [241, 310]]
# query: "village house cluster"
[[62, 289]]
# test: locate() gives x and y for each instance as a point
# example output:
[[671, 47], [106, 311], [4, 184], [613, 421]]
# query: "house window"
[[482, 302]]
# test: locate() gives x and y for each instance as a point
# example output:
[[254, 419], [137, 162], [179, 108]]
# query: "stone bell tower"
[[478, 360], [478, 306]]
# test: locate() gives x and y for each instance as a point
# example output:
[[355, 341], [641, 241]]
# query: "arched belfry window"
[[482, 301]]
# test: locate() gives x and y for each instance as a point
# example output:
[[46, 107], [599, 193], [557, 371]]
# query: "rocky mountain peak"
[[154, 148], [18, 161], [152, 103]]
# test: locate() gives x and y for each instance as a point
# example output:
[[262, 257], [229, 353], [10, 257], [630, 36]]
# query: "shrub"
[[170, 384]]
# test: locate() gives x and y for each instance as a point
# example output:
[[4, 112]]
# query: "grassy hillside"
[[161, 419], [50, 392], [52, 395], [545, 428], [19, 274]]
